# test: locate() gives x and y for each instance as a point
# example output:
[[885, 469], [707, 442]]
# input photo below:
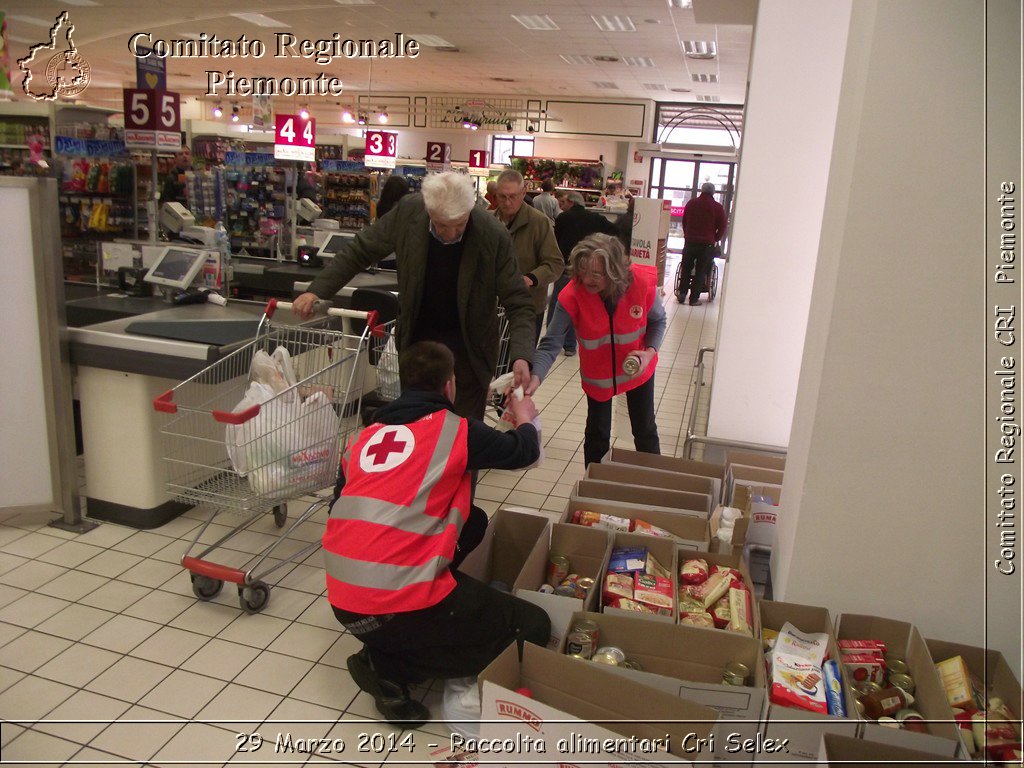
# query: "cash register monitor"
[[334, 243], [176, 267]]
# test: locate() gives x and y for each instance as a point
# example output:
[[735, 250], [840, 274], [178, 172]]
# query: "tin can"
[[566, 590], [605, 658], [735, 673], [902, 681], [632, 664], [911, 720], [586, 584], [897, 667], [865, 687], [611, 651], [558, 569], [579, 643], [889, 722], [576, 656], [588, 627], [631, 365]]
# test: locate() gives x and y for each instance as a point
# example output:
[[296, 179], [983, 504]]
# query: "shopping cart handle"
[[354, 314], [163, 402], [373, 323], [229, 417]]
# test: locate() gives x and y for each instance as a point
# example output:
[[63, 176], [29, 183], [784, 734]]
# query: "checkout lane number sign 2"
[[294, 138], [381, 149]]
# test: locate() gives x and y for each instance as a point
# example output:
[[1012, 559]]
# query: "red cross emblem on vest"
[[389, 447], [636, 311]]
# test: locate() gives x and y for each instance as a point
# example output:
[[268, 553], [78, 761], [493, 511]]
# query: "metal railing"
[[691, 435]]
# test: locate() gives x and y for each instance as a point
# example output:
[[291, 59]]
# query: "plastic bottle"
[[224, 248]]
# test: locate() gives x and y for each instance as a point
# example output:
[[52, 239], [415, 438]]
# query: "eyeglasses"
[[512, 196]]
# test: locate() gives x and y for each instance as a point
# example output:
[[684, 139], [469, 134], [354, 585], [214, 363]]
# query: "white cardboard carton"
[[574, 706]]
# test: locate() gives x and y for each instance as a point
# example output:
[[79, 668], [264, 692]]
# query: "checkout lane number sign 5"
[[151, 110]]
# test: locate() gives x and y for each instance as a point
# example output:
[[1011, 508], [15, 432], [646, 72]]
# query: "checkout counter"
[[129, 350]]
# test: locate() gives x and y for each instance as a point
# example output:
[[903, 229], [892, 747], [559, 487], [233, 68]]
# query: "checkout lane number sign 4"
[[295, 138]]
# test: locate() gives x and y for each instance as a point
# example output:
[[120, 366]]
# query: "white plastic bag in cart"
[[275, 370], [387, 370], [460, 706]]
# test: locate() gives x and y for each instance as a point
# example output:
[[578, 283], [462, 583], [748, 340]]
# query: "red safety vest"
[[605, 341], [392, 533]]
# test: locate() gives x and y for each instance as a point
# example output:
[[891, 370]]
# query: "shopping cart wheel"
[[206, 588], [280, 515], [254, 597]]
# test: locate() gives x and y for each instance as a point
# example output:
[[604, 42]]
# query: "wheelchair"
[[710, 285]]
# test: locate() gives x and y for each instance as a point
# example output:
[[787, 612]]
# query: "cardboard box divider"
[[670, 464], [651, 478], [664, 551], [587, 550], [739, 534], [753, 459], [769, 481], [690, 664], [679, 502], [803, 728], [904, 642], [730, 561], [569, 689], [508, 542], [1001, 682], [690, 532]]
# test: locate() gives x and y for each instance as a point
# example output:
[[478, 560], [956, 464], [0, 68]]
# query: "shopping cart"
[[250, 462]]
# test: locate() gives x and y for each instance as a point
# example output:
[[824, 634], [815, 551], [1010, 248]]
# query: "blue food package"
[[833, 689], [627, 560]]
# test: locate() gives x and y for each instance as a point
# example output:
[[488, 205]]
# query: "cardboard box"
[[767, 482], [689, 663], [669, 464], [905, 642], [836, 750], [573, 701], [508, 542], [1000, 683], [651, 478], [664, 551], [730, 561], [690, 532], [760, 506], [752, 459], [803, 728], [587, 550], [680, 502]]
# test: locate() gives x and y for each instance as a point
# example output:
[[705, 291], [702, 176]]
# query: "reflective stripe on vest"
[[422, 526], [618, 338]]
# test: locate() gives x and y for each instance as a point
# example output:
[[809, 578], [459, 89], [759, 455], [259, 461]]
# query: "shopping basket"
[[250, 462]]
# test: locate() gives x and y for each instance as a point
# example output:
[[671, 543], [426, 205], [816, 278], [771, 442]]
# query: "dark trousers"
[[458, 636], [570, 335], [697, 259], [470, 394], [598, 432]]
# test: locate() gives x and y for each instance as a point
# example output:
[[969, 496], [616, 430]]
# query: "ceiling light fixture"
[[304, 112], [361, 119], [234, 113], [382, 115], [218, 110], [347, 116]]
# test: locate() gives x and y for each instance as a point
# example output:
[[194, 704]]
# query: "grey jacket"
[[488, 276], [535, 247]]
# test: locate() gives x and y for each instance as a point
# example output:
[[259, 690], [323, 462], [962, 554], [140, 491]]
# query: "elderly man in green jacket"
[[533, 241], [455, 265]]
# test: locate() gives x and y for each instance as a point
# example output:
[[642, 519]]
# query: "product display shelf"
[[582, 175], [346, 197], [253, 207]]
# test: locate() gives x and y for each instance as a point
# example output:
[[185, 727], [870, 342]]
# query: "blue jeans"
[[570, 335]]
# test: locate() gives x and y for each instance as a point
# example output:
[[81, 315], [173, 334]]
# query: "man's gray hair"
[[448, 196], [576, 197], [510, 175], [708, 187]]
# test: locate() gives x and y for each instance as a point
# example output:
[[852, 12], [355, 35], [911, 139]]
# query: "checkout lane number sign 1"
[[295, 138], [381, 149]]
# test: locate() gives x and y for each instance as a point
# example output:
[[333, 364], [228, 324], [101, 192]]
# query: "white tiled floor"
[[106, 655]]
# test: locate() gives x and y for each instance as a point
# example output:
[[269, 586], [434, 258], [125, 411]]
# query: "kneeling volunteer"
[[402, 524]]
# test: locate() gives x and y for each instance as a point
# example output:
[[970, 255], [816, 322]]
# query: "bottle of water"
[[224, 248]]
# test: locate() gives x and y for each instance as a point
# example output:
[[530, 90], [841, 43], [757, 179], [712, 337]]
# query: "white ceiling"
[[491, 44]]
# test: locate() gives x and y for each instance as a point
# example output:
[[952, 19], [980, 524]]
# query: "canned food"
[[614, 651], [566, 590], [579, 642], [546, 589], [631, 365], [897, 667], [902, 681], [911, 720], [736, 673], [586, 584], [558, 569], [888, 722], [576, 656], [605, 658], [860, 707], [632, 664]]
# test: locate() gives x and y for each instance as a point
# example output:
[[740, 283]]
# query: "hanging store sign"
[[478, 165], [152, 119], [439, 157], [381, 149], [295, 138]]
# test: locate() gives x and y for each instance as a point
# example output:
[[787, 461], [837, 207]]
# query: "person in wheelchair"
[[704, 224]]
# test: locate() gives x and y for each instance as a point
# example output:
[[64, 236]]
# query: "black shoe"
[[694, 302], [569, 352], [392, 699]]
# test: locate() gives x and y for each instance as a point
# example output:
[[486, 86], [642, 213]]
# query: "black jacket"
[[575, 224], [487, 447]]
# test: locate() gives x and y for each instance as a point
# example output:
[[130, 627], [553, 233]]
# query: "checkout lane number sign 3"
[[381, 149], [295, 138]]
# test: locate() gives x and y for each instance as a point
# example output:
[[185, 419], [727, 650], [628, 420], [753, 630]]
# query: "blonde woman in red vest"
[[613, 307], [401, 526]]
